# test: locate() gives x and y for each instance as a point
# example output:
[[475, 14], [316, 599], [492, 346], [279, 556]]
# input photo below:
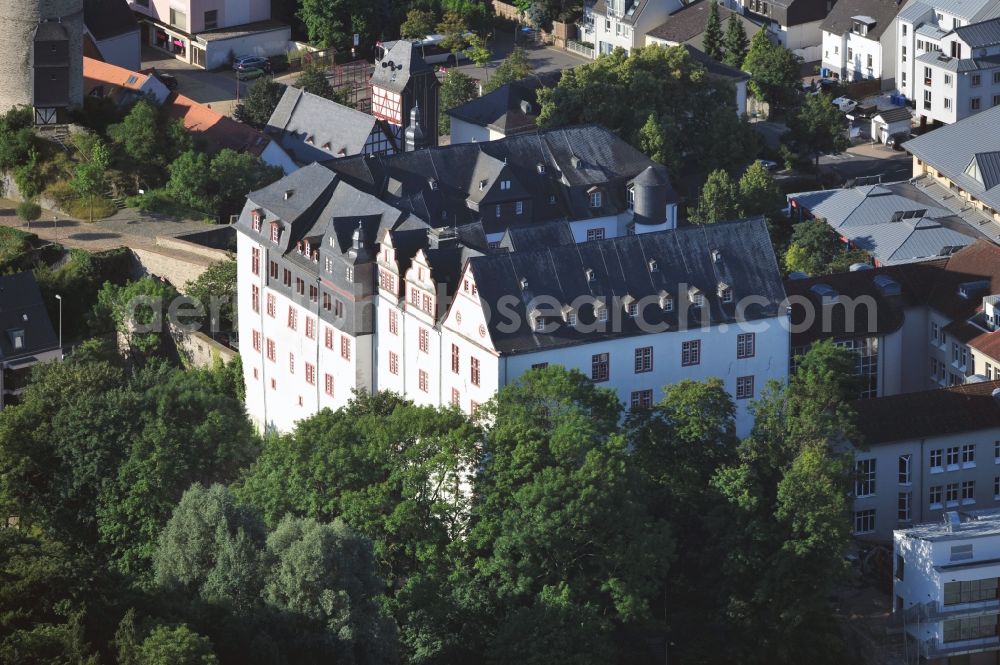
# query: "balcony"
[[933, 611], [932, 649]]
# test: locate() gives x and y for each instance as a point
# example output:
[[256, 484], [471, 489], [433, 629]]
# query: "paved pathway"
[[128, 228]]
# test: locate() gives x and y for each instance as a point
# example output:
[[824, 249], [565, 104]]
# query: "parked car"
[[845, 104], [896, 141], [768, 164], [166, 79], [245, 62], [249, 74]]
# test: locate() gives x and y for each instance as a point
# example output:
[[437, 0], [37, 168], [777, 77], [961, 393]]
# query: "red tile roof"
[[217, 130], [97, 73]]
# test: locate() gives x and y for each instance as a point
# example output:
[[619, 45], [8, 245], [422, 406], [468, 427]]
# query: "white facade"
[[945, 587], [281, 389], [621, 28], [944, 76], [854, 57], [467, 132], [122, 50], [465, 328]]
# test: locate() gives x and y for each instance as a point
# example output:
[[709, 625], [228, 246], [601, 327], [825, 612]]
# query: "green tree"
[[712, 42], [88, 183], [324, 574], [138, 134], [333, 22], [217, 285], [478, 52], [514, 67], [17, 139], [136, 312], [817, 127], [789, 497], [719, 200], [211, 548], [313, 80], [29, 211], [556, 508], [262, 98], [28, 176], [735, 43], [453, 28], [674, 110], [418, 24], [175, 646], [816, 249], [457, 88], [232, 174], [759, 194], [190, 431], [774, 71], [189, 181]]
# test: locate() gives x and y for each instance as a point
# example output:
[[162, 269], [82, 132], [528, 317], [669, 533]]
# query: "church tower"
[[43, 66]]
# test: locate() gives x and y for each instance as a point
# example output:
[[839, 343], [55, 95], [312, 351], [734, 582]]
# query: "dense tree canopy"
[[660, 101], [816, 249]]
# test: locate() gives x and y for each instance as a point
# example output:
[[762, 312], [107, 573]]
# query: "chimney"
[[416, 139]]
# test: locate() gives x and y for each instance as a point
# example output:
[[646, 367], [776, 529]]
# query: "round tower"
[[43, 66]]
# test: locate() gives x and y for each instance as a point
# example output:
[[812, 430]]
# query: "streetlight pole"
[[59, 298]]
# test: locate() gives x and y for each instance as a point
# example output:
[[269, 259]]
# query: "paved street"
[[543, 59], [127, 228], [215, 89], [866, 160]]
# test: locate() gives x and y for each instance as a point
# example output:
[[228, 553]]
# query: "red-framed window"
[[393, 363], [291, 363], [425, 337], [271, 350], [393, 322], [255, 297], [422, 380], [256, 340], [474, 371], [454, 358], [345, 347], [310, 374], [328, 381], [271, 306], [329, 338], [255, 260]]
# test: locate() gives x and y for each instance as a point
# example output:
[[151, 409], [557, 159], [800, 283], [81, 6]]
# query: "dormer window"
[[716, 256], [725, 292], [633, 310], [589, 273], [275, 232], [696, 296], [482, 184], [541, 168], [433, 183], [569, 315], [539, 324], [653, 266], [257, 219], [571, 319], [16, 338], [595, 199], [524, 283], [666, 301], [602, 311]]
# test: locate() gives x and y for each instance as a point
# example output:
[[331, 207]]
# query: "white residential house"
[[795, 24], [859, 41], [945, 587], [948, 58], [611, 24]]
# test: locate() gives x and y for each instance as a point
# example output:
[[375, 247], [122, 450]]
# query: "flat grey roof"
[[975, 524]]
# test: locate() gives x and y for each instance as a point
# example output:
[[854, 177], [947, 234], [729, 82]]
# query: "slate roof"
[[689, 21], [109, 18], [525, 238], [979, 261], [841, 18], [921, 415], [450, 185], [914, 280], [970, 10], [311, 128], [951, 148], [714, 67], [407, 62], [633, 9], [503, 109], [22, 309], [897, 114], [981, 34], [621, 269]]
